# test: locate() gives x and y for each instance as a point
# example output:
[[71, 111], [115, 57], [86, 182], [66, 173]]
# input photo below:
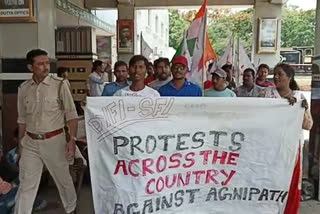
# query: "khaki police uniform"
[[43, 114]]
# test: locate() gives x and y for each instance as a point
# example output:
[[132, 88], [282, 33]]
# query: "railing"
[[302, 68], [84, 14]]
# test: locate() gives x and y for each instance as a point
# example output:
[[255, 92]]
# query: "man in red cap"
[[179, 85]]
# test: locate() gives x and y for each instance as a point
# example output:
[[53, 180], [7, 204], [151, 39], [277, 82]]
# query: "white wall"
[[264, 9], [154, 25]]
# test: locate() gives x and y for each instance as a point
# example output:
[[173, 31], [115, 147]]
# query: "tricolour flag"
[[196, 47]]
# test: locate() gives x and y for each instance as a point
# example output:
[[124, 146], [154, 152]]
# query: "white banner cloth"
[[191, 155]]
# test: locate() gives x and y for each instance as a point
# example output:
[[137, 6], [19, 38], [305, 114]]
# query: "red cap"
[[180, 60]]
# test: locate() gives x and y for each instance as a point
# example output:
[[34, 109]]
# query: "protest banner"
[[191, 155]]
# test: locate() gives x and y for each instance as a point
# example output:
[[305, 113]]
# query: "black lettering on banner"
[[118, 209], [197, 140], [116, 144], [236, 144], [245, 193], [134, 205], [153, 140], [224, 196], [147, 205], [212, 192], [165, 204], [158, 201], [180, 142], [217, 134], [282, 196], [135, 145], [253, 191], [273, 192], [179, 199], [166, 139], [192, 194], [264, 195], [237, 194]]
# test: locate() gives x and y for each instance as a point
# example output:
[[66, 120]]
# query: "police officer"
[[43, 103]]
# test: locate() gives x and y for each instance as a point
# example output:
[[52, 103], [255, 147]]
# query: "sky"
[[304, 4]]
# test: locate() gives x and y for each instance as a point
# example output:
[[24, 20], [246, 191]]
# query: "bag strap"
[[59, 95]]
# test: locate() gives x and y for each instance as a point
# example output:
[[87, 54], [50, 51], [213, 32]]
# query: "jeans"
[[7, 201]]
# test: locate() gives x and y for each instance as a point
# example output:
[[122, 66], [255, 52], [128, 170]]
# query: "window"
[[162, 26], [149, 17], [156, 24]]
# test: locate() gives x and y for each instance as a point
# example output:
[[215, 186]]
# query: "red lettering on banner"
[[160, 184], [164, 159], [231, 158], [216, 157], [225, 183], [174, 180], [205, 156], [146, 163], [181, 181], [176, 161], [148, 191], [210, 176], [121, 164], [190, 159], [198, 175], [132, 162]]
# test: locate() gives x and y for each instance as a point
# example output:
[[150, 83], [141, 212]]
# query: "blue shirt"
[[188, 90], [112, 87]]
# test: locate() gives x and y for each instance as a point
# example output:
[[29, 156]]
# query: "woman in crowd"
[[286, 87]]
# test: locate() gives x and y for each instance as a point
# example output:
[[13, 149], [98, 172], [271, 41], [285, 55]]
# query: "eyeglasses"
[[179, 67]]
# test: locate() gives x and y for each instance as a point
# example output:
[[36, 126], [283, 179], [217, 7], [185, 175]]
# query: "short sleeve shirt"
[[146, 92], [214, 93], [111, 88], [242, 91], [40, 107], [189, 89]]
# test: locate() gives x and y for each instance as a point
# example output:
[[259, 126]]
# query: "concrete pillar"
[[16, 39], [315, 104], [264, 9], [317, 36], [126, 12]]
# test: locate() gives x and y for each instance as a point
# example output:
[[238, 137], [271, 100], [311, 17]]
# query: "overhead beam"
[[190, 3], [91, 4], [94, 4], [278, 1]]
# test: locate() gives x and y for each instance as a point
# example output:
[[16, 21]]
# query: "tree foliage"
[[222, 26], [177, 25], [298, 27]]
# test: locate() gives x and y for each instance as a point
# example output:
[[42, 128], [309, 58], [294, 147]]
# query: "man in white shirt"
[[163, 72], [96, 79], [137, 72]]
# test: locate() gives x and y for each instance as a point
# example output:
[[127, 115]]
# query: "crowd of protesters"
[[139, 78]]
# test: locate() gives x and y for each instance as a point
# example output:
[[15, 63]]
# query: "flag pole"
[[204, 72], [141, 42]]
